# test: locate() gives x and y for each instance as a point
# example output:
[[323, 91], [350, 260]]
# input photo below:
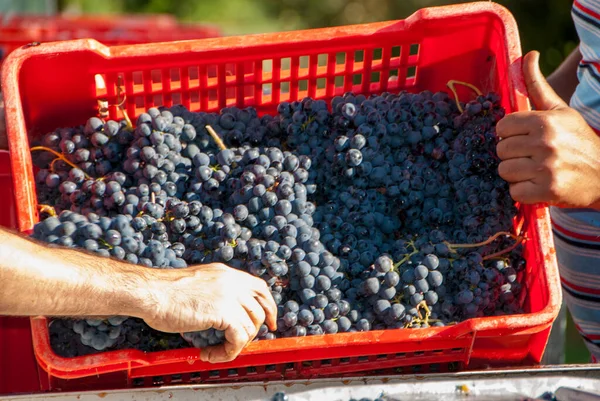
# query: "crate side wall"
[[60, 89], [208, 79]]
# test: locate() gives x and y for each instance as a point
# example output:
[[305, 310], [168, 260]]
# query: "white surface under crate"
[[505, 385]]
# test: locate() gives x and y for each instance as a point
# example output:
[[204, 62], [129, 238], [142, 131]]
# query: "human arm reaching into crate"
[[551, 155], [38, 279]]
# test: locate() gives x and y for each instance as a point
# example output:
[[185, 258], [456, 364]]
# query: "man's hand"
[[211, 296], [550, 155]]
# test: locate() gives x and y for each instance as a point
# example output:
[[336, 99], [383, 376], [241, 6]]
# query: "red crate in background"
[[96, 20], [19, 30], [59, 84], [17, 360]]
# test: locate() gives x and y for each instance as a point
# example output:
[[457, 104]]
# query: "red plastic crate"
[[55, 85], [18, 31], [8, 208]]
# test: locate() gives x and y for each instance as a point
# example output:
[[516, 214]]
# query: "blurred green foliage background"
[[545, 25]]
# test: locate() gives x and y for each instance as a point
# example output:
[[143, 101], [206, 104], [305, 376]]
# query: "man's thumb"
[[541, 94]]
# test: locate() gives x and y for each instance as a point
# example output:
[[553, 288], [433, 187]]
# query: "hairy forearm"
[[564, 80], [36, 279]]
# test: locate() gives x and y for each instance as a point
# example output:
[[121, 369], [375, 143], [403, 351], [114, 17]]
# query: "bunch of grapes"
[[384, 212], [131, 333]]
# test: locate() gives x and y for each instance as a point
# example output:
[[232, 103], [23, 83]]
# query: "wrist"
[[137, 297], [116, 288], [148, 294]]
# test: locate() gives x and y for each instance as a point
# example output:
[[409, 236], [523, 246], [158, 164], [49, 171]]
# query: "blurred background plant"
[[545, 25]]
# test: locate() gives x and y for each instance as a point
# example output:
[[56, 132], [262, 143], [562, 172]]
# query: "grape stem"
[[103, 110], [420, 319], [47, 209], [168, 218], [505, 260], [518, 239], [398, 298], [129, 124], [121, 104], [310, 120], [480, 244], [59, 156], [408, 256], [451, 85], [106, 244], [52, 163], [216, 137], [273, 187], [504, 251], [423, 305]]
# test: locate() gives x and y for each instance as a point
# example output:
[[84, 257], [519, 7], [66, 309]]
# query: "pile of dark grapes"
[[131, 333], [355, 213]]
